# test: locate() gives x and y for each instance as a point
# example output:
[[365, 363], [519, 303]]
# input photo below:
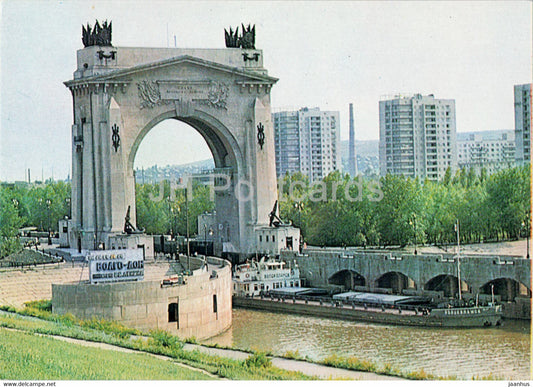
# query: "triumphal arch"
[[120, 93]]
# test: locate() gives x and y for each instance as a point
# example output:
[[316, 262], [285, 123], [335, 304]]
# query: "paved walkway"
[[311, 369]]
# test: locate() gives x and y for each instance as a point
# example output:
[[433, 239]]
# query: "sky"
[[325, 54]]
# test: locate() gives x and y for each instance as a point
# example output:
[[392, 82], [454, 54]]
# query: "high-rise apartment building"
[[417, 136], [522, 122], [307, 141], [490, 150]]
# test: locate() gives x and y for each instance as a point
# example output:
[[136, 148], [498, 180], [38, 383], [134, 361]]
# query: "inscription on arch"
[[211, 93]]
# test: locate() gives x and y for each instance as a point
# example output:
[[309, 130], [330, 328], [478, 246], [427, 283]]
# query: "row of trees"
[[40, 206], [160, 211], [336, 211], [408, 210]]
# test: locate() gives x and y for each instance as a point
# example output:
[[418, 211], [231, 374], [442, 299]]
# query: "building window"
[[173, 313], [215, 306]]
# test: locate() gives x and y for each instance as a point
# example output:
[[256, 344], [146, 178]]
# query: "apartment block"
[[417, 136], [307, 141], [522, 120]]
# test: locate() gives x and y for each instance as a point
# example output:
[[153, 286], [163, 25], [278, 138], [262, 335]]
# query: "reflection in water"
[[503, 352]]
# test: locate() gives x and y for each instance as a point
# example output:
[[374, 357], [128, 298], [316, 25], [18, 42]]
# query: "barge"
[[465, 317]]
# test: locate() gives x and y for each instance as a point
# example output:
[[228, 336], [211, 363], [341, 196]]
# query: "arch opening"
[[171, 143], [220, 142], [348, 279], [506, 289], [183, 153], [447, 284], [395, 281]]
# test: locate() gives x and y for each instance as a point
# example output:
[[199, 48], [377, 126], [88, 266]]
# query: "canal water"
[[503, 352]]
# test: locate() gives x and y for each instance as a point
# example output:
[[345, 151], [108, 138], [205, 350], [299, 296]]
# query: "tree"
[[401, 199], [508, 196], [10, 222]]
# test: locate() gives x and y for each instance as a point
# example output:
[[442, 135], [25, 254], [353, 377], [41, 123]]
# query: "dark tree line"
[[336, 211], [491, 208]]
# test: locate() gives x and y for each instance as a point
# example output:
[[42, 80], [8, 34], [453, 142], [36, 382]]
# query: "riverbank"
[[225, 363]]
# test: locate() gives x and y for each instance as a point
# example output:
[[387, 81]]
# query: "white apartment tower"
[[417, 136], [491, 150], [307, 141], [522, 122]]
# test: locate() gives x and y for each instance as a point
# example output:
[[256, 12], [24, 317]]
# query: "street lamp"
[[170, 214], [526, 225], [67, 200], [413, 223], [48, 204], [299, 206]]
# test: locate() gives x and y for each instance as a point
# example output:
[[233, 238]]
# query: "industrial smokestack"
[[352, 157]]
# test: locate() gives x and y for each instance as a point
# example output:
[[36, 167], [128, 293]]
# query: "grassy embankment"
[[257, 366], [26, 356], [38, 362]]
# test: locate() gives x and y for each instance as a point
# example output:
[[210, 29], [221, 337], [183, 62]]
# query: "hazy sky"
[[325, 54]]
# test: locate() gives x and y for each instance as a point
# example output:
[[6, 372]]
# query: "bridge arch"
[[507, 288], [395, 281], [447, 283], [347, 278]]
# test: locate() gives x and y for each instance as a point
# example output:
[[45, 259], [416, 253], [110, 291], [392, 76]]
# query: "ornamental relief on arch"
[[155, 93]]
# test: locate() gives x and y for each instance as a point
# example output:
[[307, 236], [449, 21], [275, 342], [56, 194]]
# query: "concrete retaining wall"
[[145, 304]]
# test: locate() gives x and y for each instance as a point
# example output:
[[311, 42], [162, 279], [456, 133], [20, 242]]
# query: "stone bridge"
[[507, 277]]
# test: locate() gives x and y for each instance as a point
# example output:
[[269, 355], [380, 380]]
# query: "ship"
[[260, 276]]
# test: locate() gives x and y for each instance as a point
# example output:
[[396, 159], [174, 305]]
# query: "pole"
[[458, 261], [527, 239], [205, 239], [187, 221], [416, 252]]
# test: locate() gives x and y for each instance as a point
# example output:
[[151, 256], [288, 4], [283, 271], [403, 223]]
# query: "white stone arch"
[[125, 91]]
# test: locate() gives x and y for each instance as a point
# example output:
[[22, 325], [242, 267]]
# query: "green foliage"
[[41, 206], [165, 339], [258, 360], [162, 208], [339, 211], [292, 355], [44, 305], [10, 222]]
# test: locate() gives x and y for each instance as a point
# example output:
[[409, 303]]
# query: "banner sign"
[[115, 265]]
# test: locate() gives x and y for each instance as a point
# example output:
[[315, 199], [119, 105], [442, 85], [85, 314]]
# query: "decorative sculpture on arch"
[[100, 35], [246, 40]]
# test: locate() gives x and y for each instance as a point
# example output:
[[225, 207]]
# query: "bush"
[[292, 355], [44, 305], [258, 360], [165, 339]]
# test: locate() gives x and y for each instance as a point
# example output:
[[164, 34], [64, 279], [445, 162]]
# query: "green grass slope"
[[26, 356]]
